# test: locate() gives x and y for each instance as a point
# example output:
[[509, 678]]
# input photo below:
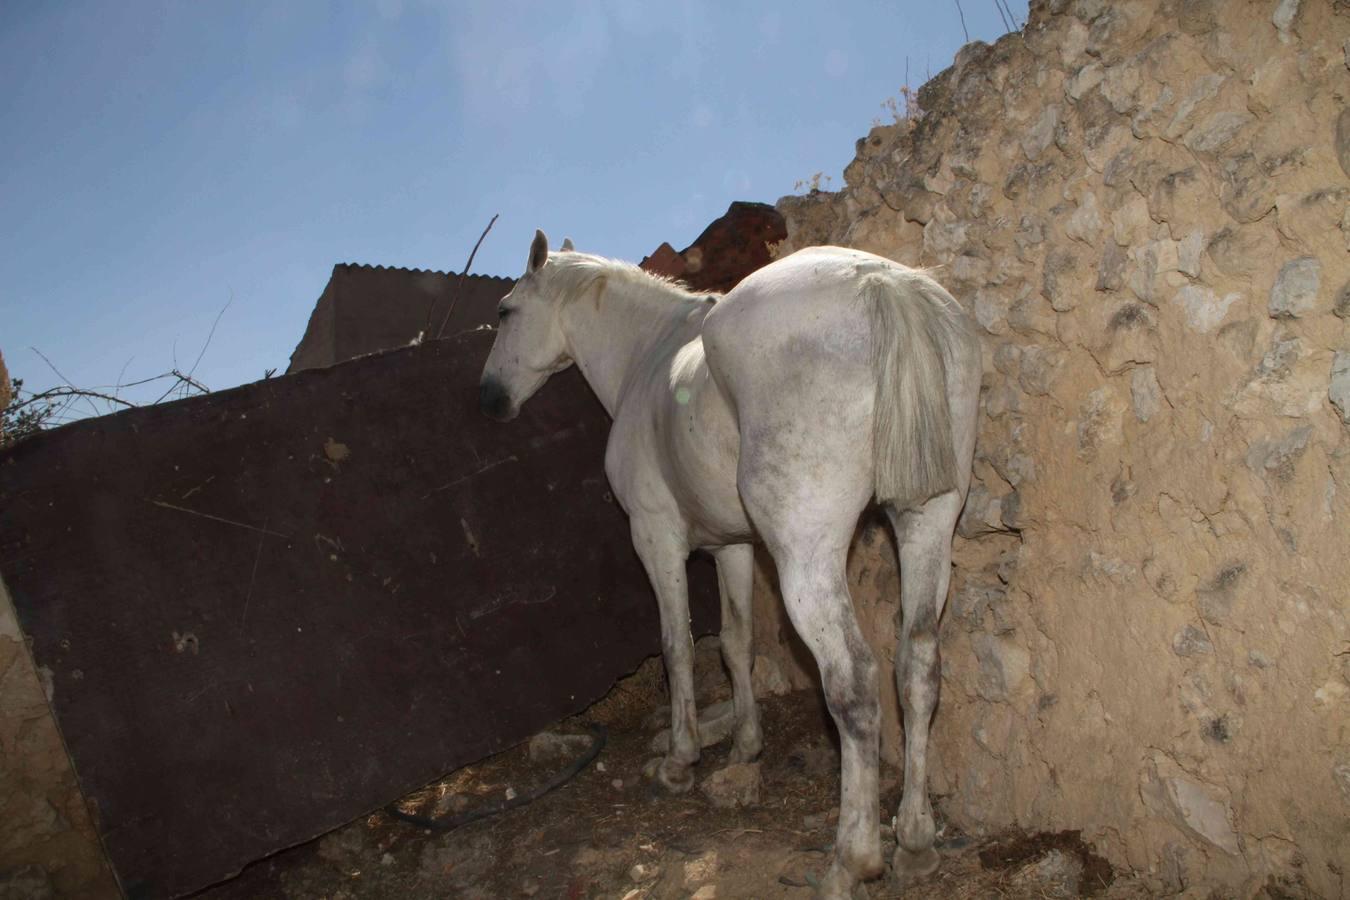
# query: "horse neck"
[[618, 324]]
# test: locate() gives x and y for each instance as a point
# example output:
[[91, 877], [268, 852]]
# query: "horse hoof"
[[673, 777], [911, 865], [743, 756]]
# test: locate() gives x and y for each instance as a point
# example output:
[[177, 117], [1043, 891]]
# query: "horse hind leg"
[[735, 577], [816, 595], [925, 540], [808, 525]]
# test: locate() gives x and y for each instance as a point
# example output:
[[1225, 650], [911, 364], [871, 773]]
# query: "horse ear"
[[538, 252], [567, 245]]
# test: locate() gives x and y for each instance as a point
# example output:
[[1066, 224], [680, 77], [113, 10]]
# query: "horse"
[[776, 413]]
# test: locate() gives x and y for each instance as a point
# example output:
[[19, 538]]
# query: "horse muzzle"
[[494, 401]]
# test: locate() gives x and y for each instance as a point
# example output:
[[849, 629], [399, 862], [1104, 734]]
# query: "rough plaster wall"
[[47, 843], [1145, 204]]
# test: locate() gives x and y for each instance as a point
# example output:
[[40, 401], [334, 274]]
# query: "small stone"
[[983, 514], [707, 892], [387, 859], [1277, 456], [1339, 391], [1056, 874], [700, 868], [617, 784], [733, 786], [549, 745], [1041, 134], [1295, 290], [1055, 286], [1216, 131], [1010, 510], [991, 310], [1004, 665], [1342, 307], [1145, 392], [1203, 810], [1086, 223], [1342, 139], [1039, 371], [1111, 269], [1204, 88], [1258, 659], [1216, 599], [643, 872], [767, 678], [1341, 773], [529, 887], [992, 730], [1189, 251], [1248, 192], [26, 883], [1203, 308], [1283, 17], [1131, 222], [1120, 87], [1330, 694], [1084, 80], [975, 599], [1196, 16], [1191, 641], [1280, 358]]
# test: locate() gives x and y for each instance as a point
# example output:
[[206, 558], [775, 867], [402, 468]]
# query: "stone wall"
[[1144, 204]]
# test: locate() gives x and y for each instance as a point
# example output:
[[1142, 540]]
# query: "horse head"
[[530, 345]]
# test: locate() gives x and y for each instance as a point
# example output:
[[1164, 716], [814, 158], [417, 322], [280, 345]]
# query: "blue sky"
[[160, 159]]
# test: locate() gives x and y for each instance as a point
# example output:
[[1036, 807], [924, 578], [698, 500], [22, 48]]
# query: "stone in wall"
[[1145, 206]]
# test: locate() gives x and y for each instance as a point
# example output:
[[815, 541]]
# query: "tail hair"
[[913, 331]]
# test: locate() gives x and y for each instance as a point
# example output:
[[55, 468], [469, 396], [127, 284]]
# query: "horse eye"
[[503, 312]]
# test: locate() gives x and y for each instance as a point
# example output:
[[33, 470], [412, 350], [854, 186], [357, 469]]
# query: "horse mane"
[[573, 275]]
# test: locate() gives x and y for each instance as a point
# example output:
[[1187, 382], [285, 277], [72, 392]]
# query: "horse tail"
[[916, 330]]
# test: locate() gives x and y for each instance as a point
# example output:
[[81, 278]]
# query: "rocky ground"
[[758, 831]]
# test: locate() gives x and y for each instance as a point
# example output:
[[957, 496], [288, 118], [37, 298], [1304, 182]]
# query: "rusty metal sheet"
[[270, 610]]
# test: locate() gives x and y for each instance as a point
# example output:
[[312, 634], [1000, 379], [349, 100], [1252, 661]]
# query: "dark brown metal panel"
[[270, 610]]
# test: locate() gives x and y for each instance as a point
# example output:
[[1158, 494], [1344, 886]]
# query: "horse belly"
[[702, 444]]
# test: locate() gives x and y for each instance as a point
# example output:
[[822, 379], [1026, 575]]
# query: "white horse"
[[775, 413]]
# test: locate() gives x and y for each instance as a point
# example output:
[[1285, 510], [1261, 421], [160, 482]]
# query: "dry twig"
[[459, 285]]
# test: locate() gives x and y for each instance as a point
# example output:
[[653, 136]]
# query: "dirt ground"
[[610, 833]]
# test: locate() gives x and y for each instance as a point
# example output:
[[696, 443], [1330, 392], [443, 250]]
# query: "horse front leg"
[[664, 554]]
